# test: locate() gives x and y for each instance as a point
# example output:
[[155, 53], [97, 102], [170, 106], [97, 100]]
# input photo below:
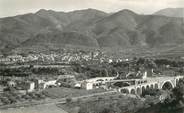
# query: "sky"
[[16, 7]]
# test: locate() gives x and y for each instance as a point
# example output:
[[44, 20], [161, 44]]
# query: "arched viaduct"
[[153, 83]]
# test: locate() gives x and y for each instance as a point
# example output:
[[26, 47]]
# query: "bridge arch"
[[147, 87], [167, 85], [126, 91], [156, 86], [132, 91], [139, 91], [152, 86], [143, 89]]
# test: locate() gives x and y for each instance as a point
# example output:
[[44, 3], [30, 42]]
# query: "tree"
[[178, 92], [176, 101], [68, 100]]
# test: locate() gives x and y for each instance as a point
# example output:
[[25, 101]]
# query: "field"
[[97, 104], [61, 92], [35, 109]]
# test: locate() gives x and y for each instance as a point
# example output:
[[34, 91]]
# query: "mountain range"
[[171, 12], [91, 28]]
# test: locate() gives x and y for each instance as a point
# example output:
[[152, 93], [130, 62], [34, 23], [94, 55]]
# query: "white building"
[[49, 83], [89, 86], [31, 86], [95, 82]]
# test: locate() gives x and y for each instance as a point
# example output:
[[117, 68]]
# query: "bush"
[[120, 96], [68, 100], [5, 100], [100, 98]]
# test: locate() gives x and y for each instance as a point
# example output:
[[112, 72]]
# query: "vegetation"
[[68, 100], [105, 104], [174, 103], [151, 92], [62, 92], [102, 69], [12, 97]]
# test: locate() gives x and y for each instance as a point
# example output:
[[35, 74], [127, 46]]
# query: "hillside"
[[89, 28], [61, 38]]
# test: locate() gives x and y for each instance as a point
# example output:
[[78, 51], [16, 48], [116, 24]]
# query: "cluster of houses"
[[11, 59], [29, 85], [69, 81], [26, 85], [64, 57]]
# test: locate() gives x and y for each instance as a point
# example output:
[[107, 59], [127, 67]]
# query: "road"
[[38, 66]]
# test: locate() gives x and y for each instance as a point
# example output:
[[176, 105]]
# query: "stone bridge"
[[137, 86]]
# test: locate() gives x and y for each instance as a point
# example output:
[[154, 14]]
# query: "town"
[[43, 78], [91, 56]]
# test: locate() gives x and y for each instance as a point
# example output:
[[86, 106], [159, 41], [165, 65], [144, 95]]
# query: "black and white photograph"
[[91, 56]]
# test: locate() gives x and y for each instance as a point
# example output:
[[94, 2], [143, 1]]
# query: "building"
[[90, 86], [30, 86], [98, 82], [49, 83], [11, 83]]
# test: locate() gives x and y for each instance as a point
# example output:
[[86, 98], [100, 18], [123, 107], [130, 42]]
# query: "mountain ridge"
[[91, 28], [171, 12]]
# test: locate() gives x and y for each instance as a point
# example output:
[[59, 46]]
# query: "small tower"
[[144, 75]]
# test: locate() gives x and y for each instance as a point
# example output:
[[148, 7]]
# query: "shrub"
[[68, 100]]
